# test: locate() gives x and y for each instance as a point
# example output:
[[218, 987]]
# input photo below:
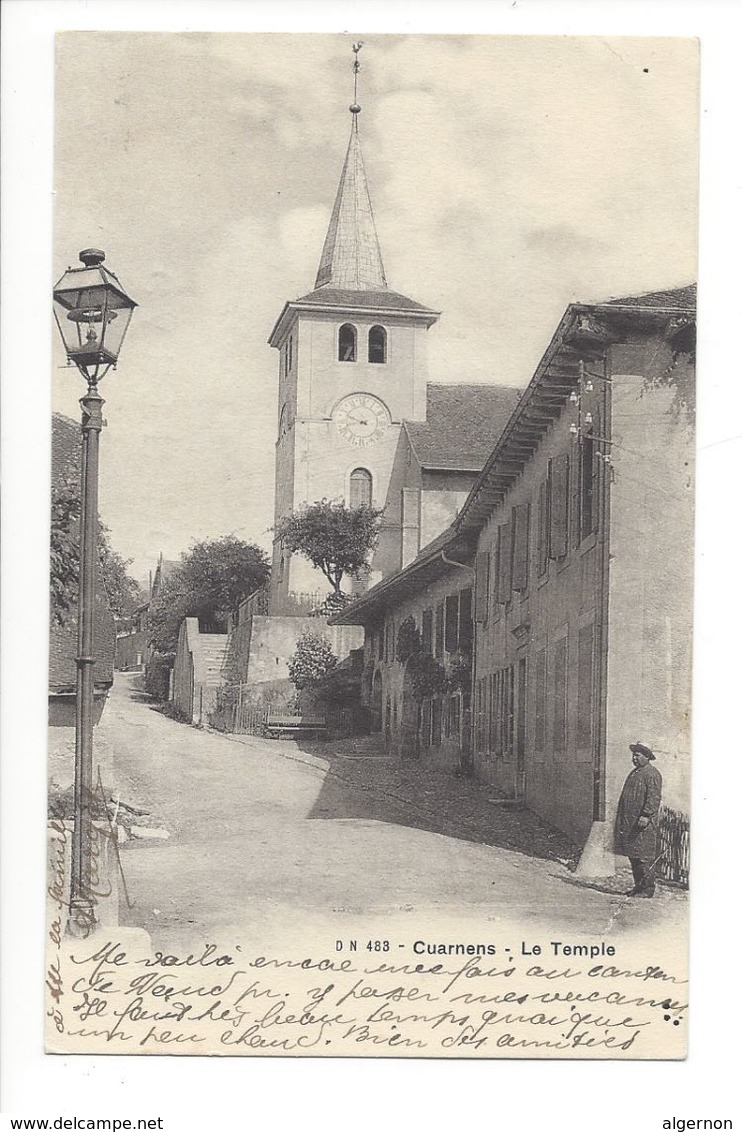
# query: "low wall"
[[272, 642]]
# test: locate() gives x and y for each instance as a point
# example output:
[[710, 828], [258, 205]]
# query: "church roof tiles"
[[376, 300], [463, 424]]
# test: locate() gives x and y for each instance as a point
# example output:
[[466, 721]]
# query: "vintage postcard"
[[372, 603]]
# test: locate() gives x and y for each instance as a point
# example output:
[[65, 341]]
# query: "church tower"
[[352, 367]]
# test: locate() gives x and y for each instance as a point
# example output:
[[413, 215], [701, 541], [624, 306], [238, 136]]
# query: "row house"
[[575, 544]]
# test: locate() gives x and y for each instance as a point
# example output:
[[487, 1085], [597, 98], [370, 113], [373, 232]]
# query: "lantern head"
[[93, 313]]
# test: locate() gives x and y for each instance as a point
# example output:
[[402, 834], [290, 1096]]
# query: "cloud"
[[559, 240]]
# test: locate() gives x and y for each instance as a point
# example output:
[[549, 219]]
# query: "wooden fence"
[[674, 847]]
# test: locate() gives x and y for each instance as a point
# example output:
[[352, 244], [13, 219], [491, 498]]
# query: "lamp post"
[[93, 312]]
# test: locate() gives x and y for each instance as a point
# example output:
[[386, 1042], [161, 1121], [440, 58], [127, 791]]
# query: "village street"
[[264, 836]]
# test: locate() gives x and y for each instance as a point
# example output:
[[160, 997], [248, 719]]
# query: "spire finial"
[[355, 108]]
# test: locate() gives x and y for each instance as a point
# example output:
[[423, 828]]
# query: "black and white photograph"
[[372, 516], [372, 608]]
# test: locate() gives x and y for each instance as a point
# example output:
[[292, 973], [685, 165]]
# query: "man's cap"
[[642, 749]]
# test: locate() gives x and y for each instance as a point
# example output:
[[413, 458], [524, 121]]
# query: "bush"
[[429, 677], [157, 676], [312, 661]]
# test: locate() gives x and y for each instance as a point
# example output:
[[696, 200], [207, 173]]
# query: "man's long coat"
[[640, 797]]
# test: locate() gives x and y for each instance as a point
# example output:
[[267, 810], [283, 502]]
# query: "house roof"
[[66, 439], [63, 649], [681, 298], [351, 256], [65, 467], [463, 422]]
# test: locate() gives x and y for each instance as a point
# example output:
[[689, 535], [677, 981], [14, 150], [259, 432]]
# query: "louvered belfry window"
[[377, 345], [347, 343], [360, 488]]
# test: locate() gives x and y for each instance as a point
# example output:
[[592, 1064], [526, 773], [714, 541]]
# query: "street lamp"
[[93, 313]]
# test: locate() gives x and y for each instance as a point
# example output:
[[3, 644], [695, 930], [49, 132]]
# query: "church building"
[[359, 421], [357, 417]]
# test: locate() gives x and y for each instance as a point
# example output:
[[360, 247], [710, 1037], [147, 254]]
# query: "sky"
[[509, 176]]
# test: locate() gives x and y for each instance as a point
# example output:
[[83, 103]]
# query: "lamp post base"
[[82, 921]]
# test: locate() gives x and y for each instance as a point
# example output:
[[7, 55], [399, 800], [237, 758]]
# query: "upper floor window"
[[361, 485], [347, 339], [290, 355], [377, 344]]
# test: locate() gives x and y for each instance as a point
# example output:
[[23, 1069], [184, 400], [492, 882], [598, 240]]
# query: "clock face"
[[361, 419]]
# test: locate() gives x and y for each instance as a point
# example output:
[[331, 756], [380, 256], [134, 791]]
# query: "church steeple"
[[351, 256]]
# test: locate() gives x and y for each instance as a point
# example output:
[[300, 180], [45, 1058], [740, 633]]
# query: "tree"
[[123, 592], [336, 539], [210, 580]]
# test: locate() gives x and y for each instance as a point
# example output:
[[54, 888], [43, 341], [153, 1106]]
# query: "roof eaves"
[[422, 313], [463, 520], [426, 467], [275, 333]]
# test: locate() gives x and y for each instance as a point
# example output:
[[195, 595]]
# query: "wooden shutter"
[[596, 471], [543, 526], [575, 500], [452, 623], [559, 505], [427, 634], [559, 736], [439, 630], [505, 563], [466, 625], [521, 520], [540, 702], [482, 571], [585, 651]]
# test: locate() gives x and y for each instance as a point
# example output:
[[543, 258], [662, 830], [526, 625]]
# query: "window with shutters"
[[559, 505], [539, 705], [482, 572], [501, 712], [377, 345], [427, 631], [585, 651], [504, 563], [361, 486], [559, 736], [347, 338], [521, 528], [439, 618]]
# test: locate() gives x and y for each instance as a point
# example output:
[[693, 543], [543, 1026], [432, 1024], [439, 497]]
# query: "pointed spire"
[[351, 257]]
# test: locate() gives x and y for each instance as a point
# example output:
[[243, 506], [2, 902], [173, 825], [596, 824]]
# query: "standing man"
[[637, 819]]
